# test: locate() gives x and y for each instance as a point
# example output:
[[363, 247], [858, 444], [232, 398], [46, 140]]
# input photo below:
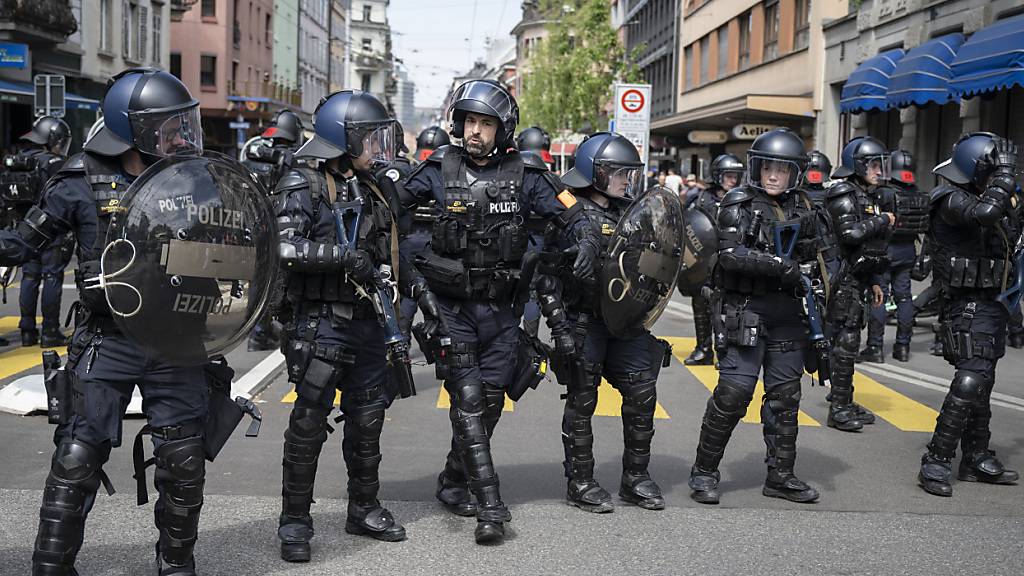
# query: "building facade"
[[746, 66], [223, 51], [529, 32], [337, 70], [928, 130], [285, 70], [371, 65], [314, 51], [651, 37], [404, 101]]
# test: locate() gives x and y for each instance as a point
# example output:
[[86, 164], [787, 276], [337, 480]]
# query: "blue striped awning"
[[992, 59], [23, 93], [865, 89], [922, 76]]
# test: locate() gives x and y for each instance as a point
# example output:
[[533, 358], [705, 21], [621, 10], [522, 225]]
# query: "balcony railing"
[[265, 89], [34, 21]]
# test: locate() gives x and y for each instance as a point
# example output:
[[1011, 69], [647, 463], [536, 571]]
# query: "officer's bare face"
[[775, 177], [170, 134], [370, 147], [873, 174], [478, 134], [618, 183], [730, 180]]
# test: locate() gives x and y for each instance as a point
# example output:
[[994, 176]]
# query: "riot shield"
[[643, 259], [700, 250], [190, 258]]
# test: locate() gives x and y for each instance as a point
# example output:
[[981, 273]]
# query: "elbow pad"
[[310, 256], [39, 229]]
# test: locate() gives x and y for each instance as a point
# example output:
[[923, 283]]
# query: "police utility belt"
[[978, 273], [451, 278]]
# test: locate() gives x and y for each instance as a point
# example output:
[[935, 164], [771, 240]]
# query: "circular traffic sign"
[[632, 100]]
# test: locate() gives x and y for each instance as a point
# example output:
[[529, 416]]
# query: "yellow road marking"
[[609, 403], [900, 411], [291, 396], [708, 376], [21, 359], [10, 323]]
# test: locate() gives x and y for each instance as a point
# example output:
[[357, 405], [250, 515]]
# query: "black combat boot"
[[979, 464], [305, 436], [702, 354], [871, 353], [29, 337], [364, 421], [949, 428], [901, 352], [52, 337], [638, 402], [779, 416], [728, 403], [582, 490]]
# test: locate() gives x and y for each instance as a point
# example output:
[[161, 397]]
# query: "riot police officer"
[[337, 341], [430, 139], [911, 223], [535, 140], [20, 187], [818, 169], [973, 228], [149, 115], [269, 159], [760, 318], [861, 210], [607, 173], [726, 173], [483, 192]]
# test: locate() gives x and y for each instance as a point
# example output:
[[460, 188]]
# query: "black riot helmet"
[[858, 154], [348, 122], [286, 126], [536, 140], [149, 110], [818, 168], [490, 98], [53, 133], [779, 150], [400, 148], [970, 162], [725, 163], [609, 163], [432, 138], [902, 166]]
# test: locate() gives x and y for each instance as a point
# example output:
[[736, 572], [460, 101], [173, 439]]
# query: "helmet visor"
[[618, 181], [773, 175], [168, 133], [379, 141], [875, 167], [487, 94]]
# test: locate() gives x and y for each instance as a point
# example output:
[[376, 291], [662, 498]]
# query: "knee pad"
[[468, 396], [585, 402], [967, 385], [847, 341], [643, 396], [183, 461], [76, 462], [308, 423], [784, 397], [367, 418], [731, 398]]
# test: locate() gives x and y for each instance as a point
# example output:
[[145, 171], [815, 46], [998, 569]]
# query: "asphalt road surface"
[[871, 518]]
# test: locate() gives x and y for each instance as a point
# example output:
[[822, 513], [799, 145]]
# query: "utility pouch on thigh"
[[742, 327], [297, 356], [320, 378], [958, 342], [531, 365], [224, 414], [425, 342], [661, 355], [59, 389]]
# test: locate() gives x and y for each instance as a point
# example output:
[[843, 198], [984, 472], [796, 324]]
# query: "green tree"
[[571, 74]]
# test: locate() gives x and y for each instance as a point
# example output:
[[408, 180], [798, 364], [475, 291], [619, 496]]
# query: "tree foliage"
[[570, 77]]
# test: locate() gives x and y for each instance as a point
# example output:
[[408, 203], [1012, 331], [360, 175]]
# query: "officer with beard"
[[21, 186], [338, 341], [607, 172], [761, 325], [974, 227], [911, 223], [862, 216], [149, 115], [483, 193], [818, 169], [268, 164], [726, 173]]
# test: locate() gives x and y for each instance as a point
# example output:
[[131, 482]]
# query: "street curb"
[[259, 378]]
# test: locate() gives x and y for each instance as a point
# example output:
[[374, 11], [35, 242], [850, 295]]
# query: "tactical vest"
[[912, 213], [872, 256], [707, 201], [23, 178], [479, 235], [374, 237], [974, 260], [580, 296]]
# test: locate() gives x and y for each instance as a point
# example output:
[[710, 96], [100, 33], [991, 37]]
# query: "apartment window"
[[367, 45], [268, 29], [208, 70], [365, 84], [367, 10], [744, 43], [688, 58], [176, 65], [126, 29], [209, 9], [802, 24], [142, 48], [771, 31], [158, 39], [105, 17], [723, 51], [705, 58]]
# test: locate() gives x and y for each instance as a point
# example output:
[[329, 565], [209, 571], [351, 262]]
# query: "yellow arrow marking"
[[708, 376]]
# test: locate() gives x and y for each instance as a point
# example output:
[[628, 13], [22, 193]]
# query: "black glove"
[[434, 323], [585, 266], [791, 278], [358, 265], [1004, 156], [561, 336]]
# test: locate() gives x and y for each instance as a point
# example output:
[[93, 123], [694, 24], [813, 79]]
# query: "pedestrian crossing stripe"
[[902, 412], [708, 376], [291, 396]]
